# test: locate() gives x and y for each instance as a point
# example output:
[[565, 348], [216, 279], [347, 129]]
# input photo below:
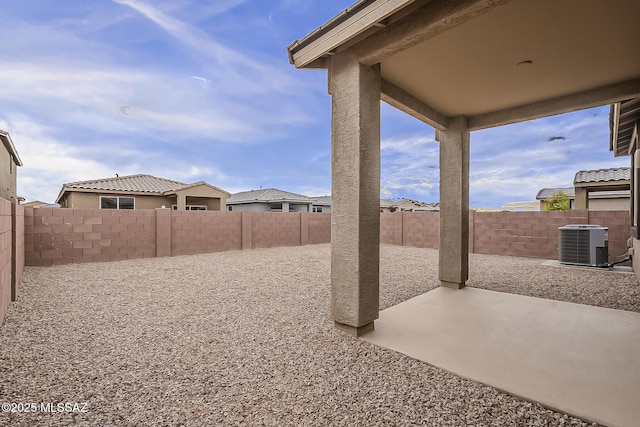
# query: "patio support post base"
[[454, 204], [352, 330], [355, 191], [451, 285]]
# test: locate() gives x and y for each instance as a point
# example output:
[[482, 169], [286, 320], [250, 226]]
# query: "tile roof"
[[267, 195], [603, 175], [135, 183], [322, 200], [139, 183], [419, 204], [545, 193]]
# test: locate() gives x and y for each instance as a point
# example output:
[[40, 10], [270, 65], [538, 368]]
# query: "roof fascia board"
[[577, 101], [361, 20], [191, 186], [605, 185], [8, 143], [614, 123], [432, 19], [267, 202], [105, 191], [403, 101]]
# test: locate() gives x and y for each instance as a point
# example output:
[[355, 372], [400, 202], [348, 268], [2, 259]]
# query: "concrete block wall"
[[619, 224], [276, 229], [17, 248], [58, 236], [525, 234], [319, 226], [421, 229], [196, 232], [63, 236], [5, 256]]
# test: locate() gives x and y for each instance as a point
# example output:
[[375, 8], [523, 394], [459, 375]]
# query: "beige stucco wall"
[[216, 200], [613, 204], [7, 174], [619, 204], [200, 195], [92, 200], [250, 207]]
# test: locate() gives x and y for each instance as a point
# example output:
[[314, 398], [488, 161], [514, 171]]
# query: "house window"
[[191, 207], [117, 202], [317, 209], [229, 208]]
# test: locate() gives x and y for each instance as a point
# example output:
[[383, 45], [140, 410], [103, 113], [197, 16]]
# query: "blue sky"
[[193, 90]]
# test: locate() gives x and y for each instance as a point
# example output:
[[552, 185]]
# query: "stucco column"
[[285, 206], [454, 204], [581, 198], [355, 190], [182, 202]]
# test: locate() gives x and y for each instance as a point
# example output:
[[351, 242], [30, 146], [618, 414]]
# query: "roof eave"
[[8, 143], [350, 23]]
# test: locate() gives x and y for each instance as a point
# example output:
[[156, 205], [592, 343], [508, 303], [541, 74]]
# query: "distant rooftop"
[[545, 193], [140, 183], [267, 195], [11, 149], [603, 175]]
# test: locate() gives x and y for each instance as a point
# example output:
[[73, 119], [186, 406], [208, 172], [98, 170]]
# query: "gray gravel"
[[245, 338]]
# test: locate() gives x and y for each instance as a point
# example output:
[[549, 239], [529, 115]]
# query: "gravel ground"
[[245, 338]]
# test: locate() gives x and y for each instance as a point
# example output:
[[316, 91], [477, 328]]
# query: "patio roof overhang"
[[624, 118], [459, 66], [493, 61], [11, 149]]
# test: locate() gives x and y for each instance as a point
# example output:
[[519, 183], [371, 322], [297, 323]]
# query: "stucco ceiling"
[[493, 61], [473, 68]]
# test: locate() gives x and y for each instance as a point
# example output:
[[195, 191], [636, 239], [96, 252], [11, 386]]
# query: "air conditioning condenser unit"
[[583, 244]]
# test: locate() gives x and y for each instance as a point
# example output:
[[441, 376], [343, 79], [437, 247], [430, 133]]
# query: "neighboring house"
[[274, 200], [322, 204], [407, 205], [35, 204], [387, 205], [10, 161], [546, 193], [590, 184], [141, 192], [596, 190]]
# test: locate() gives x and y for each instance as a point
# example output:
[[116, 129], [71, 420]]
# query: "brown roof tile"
[[136, 183]]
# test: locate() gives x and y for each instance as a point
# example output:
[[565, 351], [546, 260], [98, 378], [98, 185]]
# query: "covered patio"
[[458, 66]]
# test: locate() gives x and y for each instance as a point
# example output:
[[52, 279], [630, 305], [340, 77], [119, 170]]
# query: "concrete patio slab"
[[578, 359]]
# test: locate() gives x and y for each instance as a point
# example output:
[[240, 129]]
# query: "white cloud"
[[508, 164], [244, 75]]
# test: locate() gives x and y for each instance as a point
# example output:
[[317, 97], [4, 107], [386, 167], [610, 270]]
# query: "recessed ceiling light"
[[524, 63]]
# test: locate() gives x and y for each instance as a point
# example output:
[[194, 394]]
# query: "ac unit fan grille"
[[575, 248]]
